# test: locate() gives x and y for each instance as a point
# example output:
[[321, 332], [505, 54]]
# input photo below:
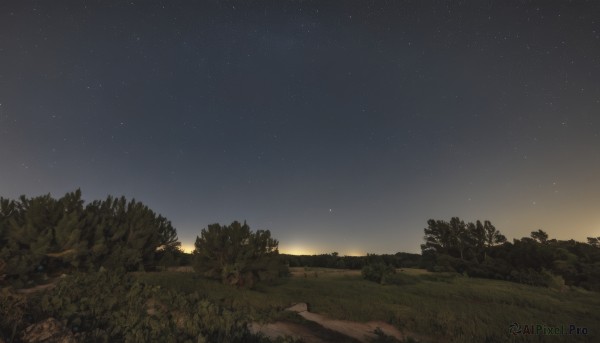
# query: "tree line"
[[334, 260], [42, 237], [479, 249]]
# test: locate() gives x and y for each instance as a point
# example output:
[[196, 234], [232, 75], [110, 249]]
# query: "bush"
[[113, 306], [377, 272], [237, 256], [13, 313]]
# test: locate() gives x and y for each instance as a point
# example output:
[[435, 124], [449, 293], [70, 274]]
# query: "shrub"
[[13, 313], [113, 306], [377, 272], [237, 256]]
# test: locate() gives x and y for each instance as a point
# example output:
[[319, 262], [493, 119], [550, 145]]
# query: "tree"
[[460, 236], [535, 260], [236, 255], [68, 245], [128, 234], [540, 236], [477, 235], [452, 238], [30, 234], [492, 236], [44, 236], [7, 211], [594, 241], [438, 237]]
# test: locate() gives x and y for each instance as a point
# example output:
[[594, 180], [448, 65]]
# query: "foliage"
[[43, 236], [480, 250], [13, 313], [334, 260], [461, 240], [236, 255], [377, 272], [432, 307], [114, 306]]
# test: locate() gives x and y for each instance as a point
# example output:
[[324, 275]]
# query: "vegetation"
[[429, 307], [377, 272], [115, 307], [482, 251], [334, 260], [236, 255], [93, 248], [426, 306], [98, 265], [376, 269], [43, 236]]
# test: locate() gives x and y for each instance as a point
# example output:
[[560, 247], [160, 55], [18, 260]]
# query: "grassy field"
[[429, 306]]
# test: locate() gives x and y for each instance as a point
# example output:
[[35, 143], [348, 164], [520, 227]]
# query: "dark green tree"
[[461, 238], [69, 245], [30, 234], [540, 236], [594, 241], [44, 236], [438, 237], [492, 235], [128, 234], [236, 255], [8, 210], [477, 239], [453, 238]]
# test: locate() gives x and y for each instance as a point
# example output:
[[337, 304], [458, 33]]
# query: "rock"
[[299, 307], [48, 331]]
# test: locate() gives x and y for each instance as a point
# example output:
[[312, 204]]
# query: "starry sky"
[[338, 125]]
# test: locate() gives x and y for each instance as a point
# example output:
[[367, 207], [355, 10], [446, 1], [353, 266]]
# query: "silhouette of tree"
[[540, 236]]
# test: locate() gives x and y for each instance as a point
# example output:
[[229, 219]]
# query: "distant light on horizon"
[[187, 248], [300, 250], [295, 250]]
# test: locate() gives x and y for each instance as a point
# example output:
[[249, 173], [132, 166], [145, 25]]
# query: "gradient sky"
[[338, 125]]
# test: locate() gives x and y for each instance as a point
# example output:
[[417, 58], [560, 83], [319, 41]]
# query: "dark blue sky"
[[338, 125]]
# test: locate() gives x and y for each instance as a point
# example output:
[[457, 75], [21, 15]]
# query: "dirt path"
[[277, 329], [51, 284], [362, 332], [353, 331]]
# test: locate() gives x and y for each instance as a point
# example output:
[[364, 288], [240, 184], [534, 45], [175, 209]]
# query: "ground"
[[421, 305]]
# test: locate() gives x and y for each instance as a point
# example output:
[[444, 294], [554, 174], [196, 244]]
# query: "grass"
[[436, 307]]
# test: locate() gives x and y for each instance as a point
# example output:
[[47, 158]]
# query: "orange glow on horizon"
[[298, 250], [187, 248], [294, 250]]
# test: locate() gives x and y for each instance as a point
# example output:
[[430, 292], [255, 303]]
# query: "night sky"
[[338, 125]]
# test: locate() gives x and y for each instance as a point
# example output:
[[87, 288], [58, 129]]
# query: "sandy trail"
[[362, 332], [277, 329], [355, 331]]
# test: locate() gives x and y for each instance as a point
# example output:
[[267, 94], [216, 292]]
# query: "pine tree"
[[69, 243], [47, 235], [7, 211], [236, 255]]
